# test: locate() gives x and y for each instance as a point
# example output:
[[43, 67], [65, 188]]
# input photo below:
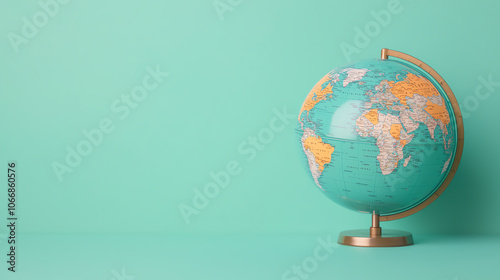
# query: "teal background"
[[225, 79]]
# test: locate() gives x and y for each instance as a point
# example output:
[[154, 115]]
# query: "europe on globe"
[[378, 136]]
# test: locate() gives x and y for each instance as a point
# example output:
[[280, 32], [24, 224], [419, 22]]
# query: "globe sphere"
[[377, 135]]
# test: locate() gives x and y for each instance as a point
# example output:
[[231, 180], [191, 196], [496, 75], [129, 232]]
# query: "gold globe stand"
[[375, 236]]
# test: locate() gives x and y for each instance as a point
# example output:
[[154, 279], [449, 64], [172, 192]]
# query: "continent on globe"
[[317, 94], [391, 138], [353, 75], [415, 100], [318, 153], [322, 92]]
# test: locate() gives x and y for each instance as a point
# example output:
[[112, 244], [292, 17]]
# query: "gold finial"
[[384, 53]]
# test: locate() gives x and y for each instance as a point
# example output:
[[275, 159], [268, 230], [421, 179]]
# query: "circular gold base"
[[389, 238]]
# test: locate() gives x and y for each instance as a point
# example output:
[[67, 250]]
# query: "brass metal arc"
[[460, 133]]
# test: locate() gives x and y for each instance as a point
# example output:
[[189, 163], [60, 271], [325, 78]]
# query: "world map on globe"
[[377, 135]]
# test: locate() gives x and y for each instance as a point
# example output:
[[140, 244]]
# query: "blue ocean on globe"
[[377, 135]]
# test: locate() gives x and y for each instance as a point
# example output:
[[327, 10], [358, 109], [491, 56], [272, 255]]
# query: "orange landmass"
[[316, 95], [438, 112], [395, 130], [403, 143], [410, 85], [372, 116], [322, 151]]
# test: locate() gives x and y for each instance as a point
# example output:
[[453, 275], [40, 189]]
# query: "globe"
[[378, 135]]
